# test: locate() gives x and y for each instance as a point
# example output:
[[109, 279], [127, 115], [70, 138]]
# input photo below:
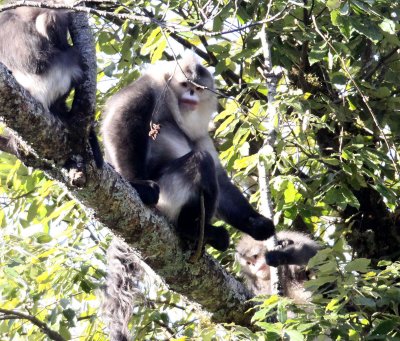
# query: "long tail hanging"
[[200, 243], [121, 290]]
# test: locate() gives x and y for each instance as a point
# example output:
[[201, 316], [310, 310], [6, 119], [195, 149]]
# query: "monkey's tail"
[[121, 290], [96, 150]]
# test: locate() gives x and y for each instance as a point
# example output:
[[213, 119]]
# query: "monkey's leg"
[[148, 191], [181, 184], [188, 227], [234, 208]]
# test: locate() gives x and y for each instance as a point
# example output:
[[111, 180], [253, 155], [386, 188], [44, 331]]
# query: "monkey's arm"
[[234, 208], [126, 136], [294, 253]]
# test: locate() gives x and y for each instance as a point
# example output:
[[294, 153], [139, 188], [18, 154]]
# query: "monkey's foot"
[[260, 228], [217, 237], [148, 191]]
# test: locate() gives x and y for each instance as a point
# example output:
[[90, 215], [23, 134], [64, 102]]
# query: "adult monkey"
[[180, 165], [34, 47]]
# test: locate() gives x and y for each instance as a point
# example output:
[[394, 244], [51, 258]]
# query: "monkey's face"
[[254, 264], [192, 87], [190, 96]]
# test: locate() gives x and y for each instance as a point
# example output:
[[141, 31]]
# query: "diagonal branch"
[[12, 314], [115, 204], [23, 114]]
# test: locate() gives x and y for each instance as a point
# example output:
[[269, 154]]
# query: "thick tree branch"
[[23, 114], [84, 105], [12, 314], [116, 205]]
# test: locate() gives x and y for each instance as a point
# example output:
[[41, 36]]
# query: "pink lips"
[[189, 104], [189, 101]]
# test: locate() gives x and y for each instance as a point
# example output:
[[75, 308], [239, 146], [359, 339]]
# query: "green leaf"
[[359, 264], [369, 29], [331, 161], [32, 211], [294, 335], [226, 126], [69, 314], [388, 26], [290, 193], [151, 41], [158, 52], [64, 331], [42, 238], [382, 92], [333, 4], [365, 301], [384, 327], [350, 197]]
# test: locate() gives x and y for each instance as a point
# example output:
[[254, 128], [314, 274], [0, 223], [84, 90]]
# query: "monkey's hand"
[[276, 257], [283, 243], [260, 228], [148, 191]]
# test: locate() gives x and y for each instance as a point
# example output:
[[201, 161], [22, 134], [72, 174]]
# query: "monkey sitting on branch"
[[155, 134]]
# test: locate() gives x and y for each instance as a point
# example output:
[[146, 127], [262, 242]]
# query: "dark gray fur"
[[34, 46], [182, 160], [181, 163]]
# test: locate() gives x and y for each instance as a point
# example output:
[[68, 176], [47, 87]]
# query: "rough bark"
[[115, 204], [83, 107], [264, 170], [23, 114]]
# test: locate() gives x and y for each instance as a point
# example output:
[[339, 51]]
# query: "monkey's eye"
[[255, 256], [199, 89], [248, 263], [185, 84]]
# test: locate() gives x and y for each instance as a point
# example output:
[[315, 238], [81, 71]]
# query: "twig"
[[144, 19], [12, 314], [266, 205], [363, 97]]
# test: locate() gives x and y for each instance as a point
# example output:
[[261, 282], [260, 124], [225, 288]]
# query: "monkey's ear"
[[189, 58], [167, 75]]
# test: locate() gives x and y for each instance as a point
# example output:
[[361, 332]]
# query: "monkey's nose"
[[191, 92]]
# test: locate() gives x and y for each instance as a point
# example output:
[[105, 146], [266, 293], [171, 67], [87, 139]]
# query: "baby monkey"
[[292, 252]]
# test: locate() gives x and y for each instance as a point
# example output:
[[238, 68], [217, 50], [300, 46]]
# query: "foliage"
[[351, 301], [51, 256], [334, 168]]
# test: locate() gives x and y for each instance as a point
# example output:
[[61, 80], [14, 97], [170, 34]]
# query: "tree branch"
[[146, 20], [12, 314], [83, 106], [21, 112], [264, 169], [116, 205]]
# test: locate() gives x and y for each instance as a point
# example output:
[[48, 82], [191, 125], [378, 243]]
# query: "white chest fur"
[[194, 124]]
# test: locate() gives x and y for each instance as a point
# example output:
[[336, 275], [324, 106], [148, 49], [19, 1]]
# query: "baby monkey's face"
[[253, 261]]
